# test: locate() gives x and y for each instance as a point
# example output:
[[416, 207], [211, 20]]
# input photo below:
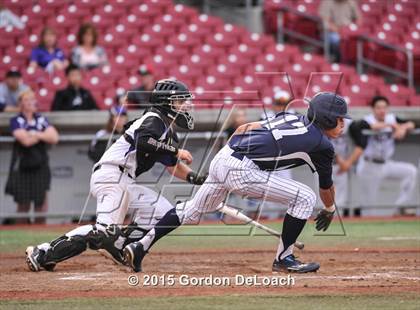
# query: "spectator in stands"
[[88, 55], [376, 164], [8, 18], [29, 175], [237, 119], [10, 90], [74, 97], [115, 125], [336, 14], [47, 55], [140, 96], [281, 99]]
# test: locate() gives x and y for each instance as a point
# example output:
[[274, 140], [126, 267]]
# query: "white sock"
[[147, 240], [281, 253]]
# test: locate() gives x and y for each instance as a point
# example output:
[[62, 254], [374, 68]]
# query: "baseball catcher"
[[147, 140]]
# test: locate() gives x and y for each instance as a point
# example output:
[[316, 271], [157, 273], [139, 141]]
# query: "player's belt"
[[375, 160], [122, 169]]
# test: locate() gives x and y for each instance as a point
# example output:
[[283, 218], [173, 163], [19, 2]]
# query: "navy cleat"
[[291, 264], [133, 255]]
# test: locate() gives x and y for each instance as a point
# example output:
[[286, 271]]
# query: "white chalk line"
[[398, 238]]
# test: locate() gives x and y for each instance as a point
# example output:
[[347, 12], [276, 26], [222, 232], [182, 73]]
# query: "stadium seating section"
[[217, 60]]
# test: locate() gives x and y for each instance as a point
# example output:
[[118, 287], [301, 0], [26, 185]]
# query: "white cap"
[[281, 97]]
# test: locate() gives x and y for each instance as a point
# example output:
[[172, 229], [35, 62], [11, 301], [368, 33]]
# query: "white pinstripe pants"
[[228, 174]]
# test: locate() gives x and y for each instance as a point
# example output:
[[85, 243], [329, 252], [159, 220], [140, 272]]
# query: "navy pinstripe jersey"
[[287, 141]]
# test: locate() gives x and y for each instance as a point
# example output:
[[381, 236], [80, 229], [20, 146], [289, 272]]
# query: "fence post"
[[326, 42], [280, 26], [410, 68], [359, 56]]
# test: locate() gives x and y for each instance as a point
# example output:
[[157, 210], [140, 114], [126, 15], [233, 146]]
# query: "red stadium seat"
[[196, 61], [257, 40], [73, 12], [184, 41], [171, 51], [208, 51], [133, 23], [112, 11], [186, 73], [204, 21], [194, 31], [214, 83], [225, 69], [170, 21], [397, 94], [244, 51], [147, 11], [183, 12], [44, 97]]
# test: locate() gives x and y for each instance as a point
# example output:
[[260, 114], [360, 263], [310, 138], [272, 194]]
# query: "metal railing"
[[282, 30], [361, 60], [219, 139]]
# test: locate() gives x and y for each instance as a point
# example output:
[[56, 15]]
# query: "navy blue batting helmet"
[[325, 108]]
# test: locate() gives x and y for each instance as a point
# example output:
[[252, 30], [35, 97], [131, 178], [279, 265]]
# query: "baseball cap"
[[281, 97], [145, 70], [13, 73], [118, 110]]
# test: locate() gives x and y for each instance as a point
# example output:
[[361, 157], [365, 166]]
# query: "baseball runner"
[[248, 165], [147, 140], [376, 164]]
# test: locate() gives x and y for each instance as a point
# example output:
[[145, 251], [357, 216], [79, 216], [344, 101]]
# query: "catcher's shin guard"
[[78, 240]]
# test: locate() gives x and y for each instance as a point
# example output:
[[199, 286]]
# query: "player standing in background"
[[344, 160], [376, 164], [146, 141], [248, 165], [116, 121]]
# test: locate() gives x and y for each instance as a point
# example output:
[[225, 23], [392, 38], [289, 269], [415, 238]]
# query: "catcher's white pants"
[[371, 175], [228, 174], [116, 192], [341, 184]]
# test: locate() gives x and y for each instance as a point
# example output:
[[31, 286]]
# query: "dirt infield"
[[366, 271]]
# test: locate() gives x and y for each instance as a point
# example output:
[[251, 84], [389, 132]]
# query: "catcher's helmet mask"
[[325, 108], [164, 96]]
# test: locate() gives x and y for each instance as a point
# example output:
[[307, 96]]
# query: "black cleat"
[[291, 264], [34, 257], [133, 255]]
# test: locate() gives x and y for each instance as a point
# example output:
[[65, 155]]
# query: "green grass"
[[249, 302], [358, 234]]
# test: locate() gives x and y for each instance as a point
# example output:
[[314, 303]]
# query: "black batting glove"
[[195, 178], [323, 220]]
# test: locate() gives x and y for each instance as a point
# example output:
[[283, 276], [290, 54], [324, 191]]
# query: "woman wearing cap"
[[29, 176], [117, 119]]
